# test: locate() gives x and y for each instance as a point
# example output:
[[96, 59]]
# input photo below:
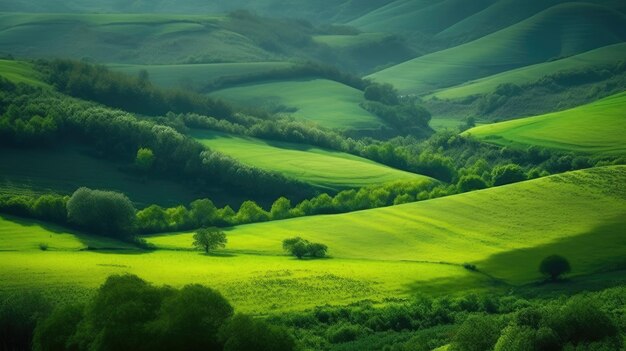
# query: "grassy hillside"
[[525, 75], [544, 216], [322, 168], [171, 76], [376, 254], [327, 103], [560, 31], [63, 170], [597, 128], [20, 72]]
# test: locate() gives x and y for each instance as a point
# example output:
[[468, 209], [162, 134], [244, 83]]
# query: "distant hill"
[[560, 31], [597, 128]]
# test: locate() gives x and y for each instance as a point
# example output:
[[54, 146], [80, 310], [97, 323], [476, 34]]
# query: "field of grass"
[[327, 103], [170, 76], [596, 128], [560, 31], [63, 170], [323, 168], [603, 56], [393, 252], [126, 38], [20, 72], [482, 227]]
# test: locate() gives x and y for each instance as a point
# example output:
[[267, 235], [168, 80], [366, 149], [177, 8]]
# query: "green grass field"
[[63, 170], [327, 103], [603, 56], [170, 76], [126, 38], [393, 252], [322, 168], [597, 128], [20, 72], [560, 31]]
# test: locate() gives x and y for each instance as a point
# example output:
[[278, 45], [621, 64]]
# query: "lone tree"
[[105, 213], [208, 239], [300, 248], [554, 266], [144, 159]]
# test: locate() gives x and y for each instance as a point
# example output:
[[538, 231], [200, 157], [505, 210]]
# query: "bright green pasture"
[[525, 75], [596, 128], [322, 168], [20, 72], [63, 170], [325, 102], [560, 31], [198, 74], [348, 41], [481, 227]]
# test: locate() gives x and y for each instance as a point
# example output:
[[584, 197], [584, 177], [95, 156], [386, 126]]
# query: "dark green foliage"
[[251, 212], [209, 239], [554, 266], [144, 159], [477, 333], [243, 333], [103, 212], [19, 314], [383, 93], [409, 118], [54, 333], [48, 207], [471, 182], [280, 208], [343, 333], [507, 174], [301, 248]]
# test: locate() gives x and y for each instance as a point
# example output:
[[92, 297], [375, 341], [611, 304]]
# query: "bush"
[[477, 333], [343, 333], [471, 182], [554, 266], [43, 246], [106, 213], [507, 174], [19, 314], [242, 333], [300, 248]]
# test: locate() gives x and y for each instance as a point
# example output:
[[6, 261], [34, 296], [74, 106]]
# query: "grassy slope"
[[473, 227], [597, 128], [198, 74], [374, 252], [145, 38], [602, 56], [327, 103], [560, 31], [322, 168], [20, 72]]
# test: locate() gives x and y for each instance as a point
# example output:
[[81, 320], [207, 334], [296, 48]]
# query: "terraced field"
[[597, 128], [327, 103], [607, 55], [323, 168], [560, 31]]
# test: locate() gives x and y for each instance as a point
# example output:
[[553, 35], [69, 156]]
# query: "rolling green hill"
[[20, 72], [597, 128], [560, 31], [603, 56], [327, 103], [170, 76], [576, 214], [322, 168]]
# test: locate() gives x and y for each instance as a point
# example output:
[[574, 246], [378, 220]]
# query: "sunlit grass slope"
[[198, 74], [325, 102], [20, 72], [479, 227], [597, 128], [606, 55], [560, 31], [128, 38], [322, 168]]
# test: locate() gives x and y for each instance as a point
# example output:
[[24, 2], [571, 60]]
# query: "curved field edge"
[[596, 128], [322, 168], [472, 227]]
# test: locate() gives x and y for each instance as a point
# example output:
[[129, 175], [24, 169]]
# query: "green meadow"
[[20, 72], [596, 128], [327, 103], [326, 169], [391, 252], [560, 31], [610, 54], [171, 76]]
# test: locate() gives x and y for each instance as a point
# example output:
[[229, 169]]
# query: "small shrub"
[[43, 246]]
